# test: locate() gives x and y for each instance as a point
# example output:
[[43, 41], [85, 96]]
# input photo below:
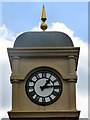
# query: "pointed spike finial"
[[43, 18], [43, 14]]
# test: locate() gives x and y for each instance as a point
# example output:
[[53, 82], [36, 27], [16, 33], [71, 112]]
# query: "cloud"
[[3, 113], [82, 104], [7, 39]]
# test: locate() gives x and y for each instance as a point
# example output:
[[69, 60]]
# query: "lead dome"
[[43, 39]]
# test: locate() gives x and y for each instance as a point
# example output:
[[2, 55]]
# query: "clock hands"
[[49, 86]]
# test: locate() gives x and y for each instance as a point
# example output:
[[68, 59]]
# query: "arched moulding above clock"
[[64, 75], [50, 68]]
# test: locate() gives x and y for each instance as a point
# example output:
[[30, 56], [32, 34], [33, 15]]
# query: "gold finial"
[[43, 18]]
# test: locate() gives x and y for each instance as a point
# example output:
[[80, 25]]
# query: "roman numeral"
[[37, 98], [43, 100], [37, 76], [32, 93], [43, 75], [40, 99], [57, 87], [55, 80], [50, 76], [50, 98], [30, 87], [55, 93], [47, 99]]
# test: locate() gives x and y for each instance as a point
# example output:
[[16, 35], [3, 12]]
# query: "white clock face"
[[43, 87]]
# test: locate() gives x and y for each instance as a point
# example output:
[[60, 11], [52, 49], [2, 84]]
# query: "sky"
[[68, 17]]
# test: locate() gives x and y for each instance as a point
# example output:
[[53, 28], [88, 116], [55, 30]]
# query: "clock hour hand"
[[45, 85], [47, 82]]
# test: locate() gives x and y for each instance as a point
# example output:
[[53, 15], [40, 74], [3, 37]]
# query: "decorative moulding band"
[[19, 114]]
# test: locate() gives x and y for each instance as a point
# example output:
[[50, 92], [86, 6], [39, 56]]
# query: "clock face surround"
[[43, 86]]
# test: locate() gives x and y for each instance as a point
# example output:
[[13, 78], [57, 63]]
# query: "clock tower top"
[[43, 77], [43, 39]]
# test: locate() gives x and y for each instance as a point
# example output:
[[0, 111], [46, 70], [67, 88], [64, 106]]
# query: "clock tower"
[[43, 78]]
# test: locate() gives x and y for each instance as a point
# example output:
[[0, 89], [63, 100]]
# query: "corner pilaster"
[[15, 71], [72, 81]]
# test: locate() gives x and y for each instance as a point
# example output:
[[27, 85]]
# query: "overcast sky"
[[68, 17]]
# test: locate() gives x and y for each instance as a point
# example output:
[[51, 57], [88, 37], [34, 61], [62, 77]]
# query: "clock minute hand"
[[50, 86]]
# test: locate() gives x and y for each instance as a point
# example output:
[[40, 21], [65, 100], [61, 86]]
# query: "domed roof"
[[43, 39]]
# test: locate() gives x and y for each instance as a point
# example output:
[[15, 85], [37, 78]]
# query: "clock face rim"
[[49, 70]]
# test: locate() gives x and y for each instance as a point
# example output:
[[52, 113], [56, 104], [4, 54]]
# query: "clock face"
[[43, 87]]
